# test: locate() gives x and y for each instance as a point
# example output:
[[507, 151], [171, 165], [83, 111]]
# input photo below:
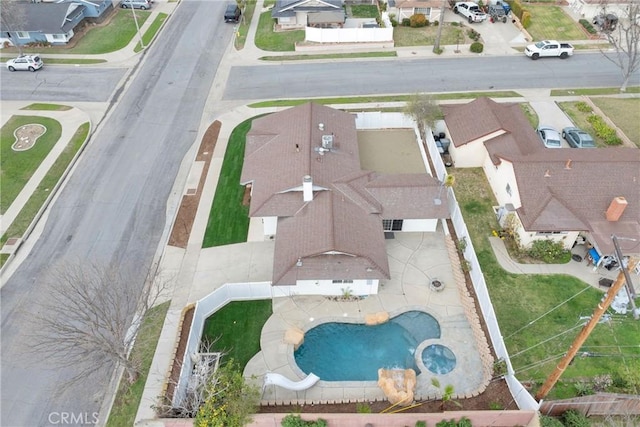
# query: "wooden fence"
[[597, 404]]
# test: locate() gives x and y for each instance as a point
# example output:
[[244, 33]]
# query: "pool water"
[[438, 359], [354, 351]]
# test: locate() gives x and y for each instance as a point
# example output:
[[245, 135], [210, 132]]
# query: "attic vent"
[[327, 141], [616, 208], [321, 126]]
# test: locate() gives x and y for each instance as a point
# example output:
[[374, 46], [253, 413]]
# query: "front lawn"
[[237, 327], [426, 36], [364, 11], [551, 22], [579, 118], [267, 39], [537, 327], [18, 166], [229, 218], [624, 113]]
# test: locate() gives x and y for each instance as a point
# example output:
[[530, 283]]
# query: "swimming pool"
[[354, 351]]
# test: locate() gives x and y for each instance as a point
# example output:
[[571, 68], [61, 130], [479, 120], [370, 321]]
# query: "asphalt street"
[[112, 210], [71, 84], [463, 74]]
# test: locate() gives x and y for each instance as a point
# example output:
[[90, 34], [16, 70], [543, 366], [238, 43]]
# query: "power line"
[[554, 308], [547, 340]]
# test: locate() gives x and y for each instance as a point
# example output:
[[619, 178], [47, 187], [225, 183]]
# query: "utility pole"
[[584, 333], [436, 46], [631, 292]]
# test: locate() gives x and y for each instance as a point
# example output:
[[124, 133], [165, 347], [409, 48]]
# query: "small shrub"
[[603, 130], [446, 423], [602, 382], [587, 26], [573, 418], [476, 47], [465, 265], [547, 421], [464, 422], [438, 51], [526, 19], [363, 408], [418, 20], [421, 424], [436, 23], [583, 388], [473, 34], [499, 368], [496, 406], [548, 251], [406, 22], [583, 107], [295, 421], [453, 24]]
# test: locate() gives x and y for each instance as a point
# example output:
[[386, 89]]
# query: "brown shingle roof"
[[555, 197], [338, 235]]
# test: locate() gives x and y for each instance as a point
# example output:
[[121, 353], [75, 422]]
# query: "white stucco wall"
[[270, 224], [498, 178], [327, 287], [422, 225]]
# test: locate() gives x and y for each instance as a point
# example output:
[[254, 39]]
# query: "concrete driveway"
[[550, 114]]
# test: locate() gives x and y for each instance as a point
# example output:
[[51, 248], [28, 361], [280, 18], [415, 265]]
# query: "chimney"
[[616, 208], [568, 164], [307, 189]]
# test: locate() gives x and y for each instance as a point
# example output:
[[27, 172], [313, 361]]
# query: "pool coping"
[[453, 308]]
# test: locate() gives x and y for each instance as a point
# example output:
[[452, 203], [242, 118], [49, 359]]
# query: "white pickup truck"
[[470, 10], [549, 48]]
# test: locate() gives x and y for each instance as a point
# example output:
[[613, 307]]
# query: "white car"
[[135, 4], [549, 136], [25, 62]]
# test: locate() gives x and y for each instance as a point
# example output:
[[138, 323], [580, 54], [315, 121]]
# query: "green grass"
[[46, 107], [125, 405], [520, 299], [531, 114], [35, 202], [426, 36], [18, 166], [237, 327], [151, 31], [579, 118], [229, 219], [267, 39], [594, 91], [383, 98], [3, 259], [551, 22], [100, 39], [243, 26], [364, 11], [624, 113], [385, 54]]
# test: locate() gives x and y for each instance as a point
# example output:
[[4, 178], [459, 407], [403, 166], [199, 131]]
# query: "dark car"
[[232, 13], [578, 138]]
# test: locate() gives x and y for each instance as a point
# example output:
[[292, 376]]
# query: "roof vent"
[[568, 164], [307, 189], [547, 174], [327, 141], [616, 208], [321, 126]]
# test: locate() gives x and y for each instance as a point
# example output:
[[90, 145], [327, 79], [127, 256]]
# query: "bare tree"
[[91, 319], [624, 39], [424, 109], [12, 17]]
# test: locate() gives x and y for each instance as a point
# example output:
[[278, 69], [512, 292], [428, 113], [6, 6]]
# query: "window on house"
[[426, 11], [340, 282], [57, 36], [392, 224], [550, 233], [508, 189], [22, 34]]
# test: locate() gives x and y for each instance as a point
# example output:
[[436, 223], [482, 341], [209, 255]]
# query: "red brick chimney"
[[616, 208]]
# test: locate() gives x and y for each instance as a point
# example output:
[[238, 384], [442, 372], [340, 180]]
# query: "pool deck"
[[414, 259]]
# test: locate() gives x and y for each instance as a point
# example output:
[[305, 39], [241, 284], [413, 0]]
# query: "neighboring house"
[[590, 8], [297, 14], [43, 23], [404, 9], [546, 193], [95, 10], [327, 215]]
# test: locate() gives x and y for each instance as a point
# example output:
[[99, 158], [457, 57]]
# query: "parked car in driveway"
[[25, 63], [549, 136], [469, 10], [577, 138], [135, 4]]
